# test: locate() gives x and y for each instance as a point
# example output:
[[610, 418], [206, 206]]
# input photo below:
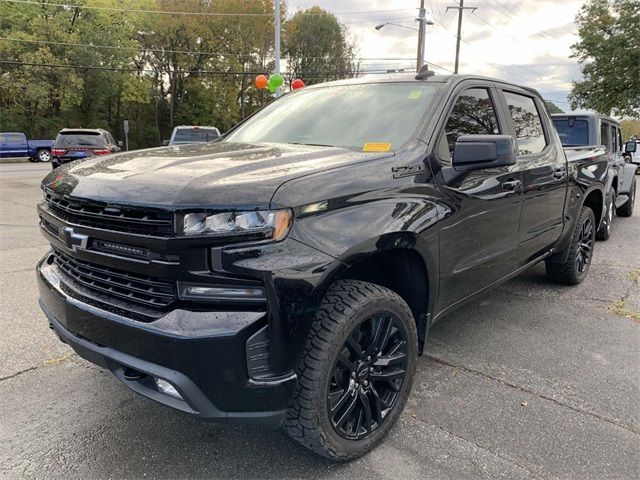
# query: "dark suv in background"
[[78, 143]]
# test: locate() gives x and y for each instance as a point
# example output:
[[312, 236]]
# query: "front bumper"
[[202, 354]]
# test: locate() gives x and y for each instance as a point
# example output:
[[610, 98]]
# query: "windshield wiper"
[[311, 144]]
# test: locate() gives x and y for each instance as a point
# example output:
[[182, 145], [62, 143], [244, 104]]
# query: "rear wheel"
[[44, 155], [626, 210], [575, 269], [356, 373], [604, 232]]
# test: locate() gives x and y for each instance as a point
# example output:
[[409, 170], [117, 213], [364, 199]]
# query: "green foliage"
[[317, 47], [158, 70], [552, 107], [609, 55]]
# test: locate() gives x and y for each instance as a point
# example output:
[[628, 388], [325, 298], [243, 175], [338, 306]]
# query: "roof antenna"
[[424, 72]]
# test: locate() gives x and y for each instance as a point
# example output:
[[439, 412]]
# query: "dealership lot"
[[533, 380]]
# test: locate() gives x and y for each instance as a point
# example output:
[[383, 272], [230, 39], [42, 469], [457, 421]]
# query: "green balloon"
[[276, 79], [271, 87]]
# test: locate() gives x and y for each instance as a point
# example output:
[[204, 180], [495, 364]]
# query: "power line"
[[152, 70], [203, 14], [516, 39], [161, 50]]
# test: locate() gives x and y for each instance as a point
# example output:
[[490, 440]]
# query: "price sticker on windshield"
[[415, 94], [376, 147]]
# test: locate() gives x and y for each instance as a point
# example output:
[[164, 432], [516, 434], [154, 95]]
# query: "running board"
[[621, 200]]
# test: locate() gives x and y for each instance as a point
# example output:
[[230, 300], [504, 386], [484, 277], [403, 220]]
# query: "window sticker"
[[415, 94], [376, 147]]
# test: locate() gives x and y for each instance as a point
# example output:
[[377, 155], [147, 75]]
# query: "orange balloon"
[[261, 82]]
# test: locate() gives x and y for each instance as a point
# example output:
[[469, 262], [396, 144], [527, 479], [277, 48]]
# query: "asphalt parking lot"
[[532, 381]]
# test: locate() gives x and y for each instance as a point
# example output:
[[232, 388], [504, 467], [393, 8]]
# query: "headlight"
[[273, 224]]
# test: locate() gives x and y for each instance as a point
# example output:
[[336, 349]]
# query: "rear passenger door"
[[544, 170], [15, 145], [479, 230]]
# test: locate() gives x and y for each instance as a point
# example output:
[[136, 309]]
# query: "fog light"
[[166, 388], [203, 292]]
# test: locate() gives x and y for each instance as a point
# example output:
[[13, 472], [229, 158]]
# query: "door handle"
[[559, 173], [511, 184]]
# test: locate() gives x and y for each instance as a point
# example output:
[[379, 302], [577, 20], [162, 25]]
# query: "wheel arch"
[[403, 268]]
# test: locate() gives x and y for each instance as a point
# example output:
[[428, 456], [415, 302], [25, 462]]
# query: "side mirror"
[[630, 147], [474, 152], [165, 143], [120, 143]]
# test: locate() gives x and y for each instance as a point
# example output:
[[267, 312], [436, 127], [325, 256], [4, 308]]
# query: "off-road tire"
[[347, 304], [626, 210], [567, 273], [606, 227]]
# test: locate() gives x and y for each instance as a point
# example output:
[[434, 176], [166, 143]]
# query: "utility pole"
[[460, 9], [421, 33], [277, 41]]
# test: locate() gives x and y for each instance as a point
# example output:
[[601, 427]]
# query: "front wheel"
[[356, 373], [626, 210], [604, 232], [574, 270]]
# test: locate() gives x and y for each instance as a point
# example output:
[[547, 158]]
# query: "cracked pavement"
[[532, 380]]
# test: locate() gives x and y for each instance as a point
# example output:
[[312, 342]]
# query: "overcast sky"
[[521, 41]]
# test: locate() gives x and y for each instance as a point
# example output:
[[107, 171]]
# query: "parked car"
[[633, 152], [291, 271], [16, 145], [192, 134], [578, 131], [81, 143]]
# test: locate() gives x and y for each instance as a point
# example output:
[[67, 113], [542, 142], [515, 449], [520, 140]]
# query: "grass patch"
[[620, 308]]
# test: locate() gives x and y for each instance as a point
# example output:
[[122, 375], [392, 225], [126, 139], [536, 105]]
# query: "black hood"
[[213, 174]]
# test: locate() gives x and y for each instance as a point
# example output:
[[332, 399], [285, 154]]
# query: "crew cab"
[[584, 131], [290, 272], [81, 143], [16, 145]]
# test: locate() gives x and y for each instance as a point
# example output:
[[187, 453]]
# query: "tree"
[[608, 52], [629, 128], [552, 107], [317, 47]]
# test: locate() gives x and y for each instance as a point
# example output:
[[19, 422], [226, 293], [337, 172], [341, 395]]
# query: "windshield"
[[572, 133], [195, 135], [80, 139], [365, 117]]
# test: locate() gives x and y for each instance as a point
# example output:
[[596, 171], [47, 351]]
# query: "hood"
[[207, 175]]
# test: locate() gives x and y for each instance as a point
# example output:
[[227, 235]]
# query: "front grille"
[[141, 289], [123, 219]]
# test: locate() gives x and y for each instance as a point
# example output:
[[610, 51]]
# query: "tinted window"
[[527, 123], [473, 114], [572, 132], [80, 139], [369, 117], [195, 135]]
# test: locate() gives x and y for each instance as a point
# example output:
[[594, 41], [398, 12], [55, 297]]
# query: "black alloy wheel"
[[356, 372], [367, 376], [585, 246]]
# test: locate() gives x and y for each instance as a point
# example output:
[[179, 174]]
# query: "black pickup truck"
[[290, 272]]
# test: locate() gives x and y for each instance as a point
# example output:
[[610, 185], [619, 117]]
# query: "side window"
[[527, 123], [15, 138], [472, 114], [614, 140], [604, 134]]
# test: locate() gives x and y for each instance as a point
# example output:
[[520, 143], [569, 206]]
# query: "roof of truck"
[[585, 115]]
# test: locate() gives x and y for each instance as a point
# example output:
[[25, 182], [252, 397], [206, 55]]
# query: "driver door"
[[479, 229]]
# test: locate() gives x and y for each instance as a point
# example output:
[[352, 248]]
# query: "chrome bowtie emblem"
[[74, 241]]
